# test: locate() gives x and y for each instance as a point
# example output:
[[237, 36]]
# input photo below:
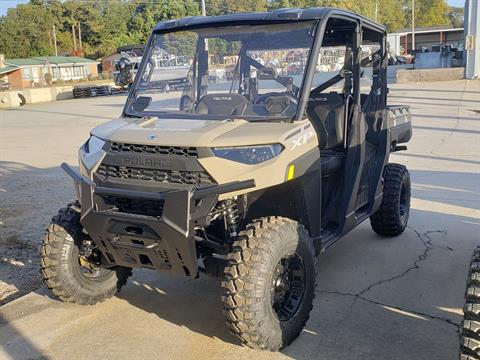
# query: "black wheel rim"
[[403, 202], [288, 287]]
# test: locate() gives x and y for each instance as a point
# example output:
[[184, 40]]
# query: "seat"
[[327, 113], [222, 104]]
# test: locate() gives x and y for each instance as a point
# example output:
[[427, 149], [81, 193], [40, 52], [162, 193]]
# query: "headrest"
[[222, 104]]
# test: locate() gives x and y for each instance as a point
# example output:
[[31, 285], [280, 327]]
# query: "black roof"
[[287, 14]]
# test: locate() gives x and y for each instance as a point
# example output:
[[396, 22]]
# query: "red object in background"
[[78, 53]]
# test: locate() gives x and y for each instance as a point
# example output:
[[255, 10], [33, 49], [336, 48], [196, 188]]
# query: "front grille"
[[196, 178], [135, 206], [154, 149]]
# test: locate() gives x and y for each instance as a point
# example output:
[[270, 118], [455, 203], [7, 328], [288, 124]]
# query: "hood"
[[192, 132]]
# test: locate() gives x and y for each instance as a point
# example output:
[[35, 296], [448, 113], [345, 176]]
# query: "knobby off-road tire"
[[391, 218], [470, 332], [263, 255], [61, 268]]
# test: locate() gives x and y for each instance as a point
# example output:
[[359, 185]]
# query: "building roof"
[[283, 15], [61, 60], [8, 68], [42, 60], [23, 62], [430, 29]]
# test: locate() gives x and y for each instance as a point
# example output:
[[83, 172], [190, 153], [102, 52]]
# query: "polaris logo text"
[[152, 163]]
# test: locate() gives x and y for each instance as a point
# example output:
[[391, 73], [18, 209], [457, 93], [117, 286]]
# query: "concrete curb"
[[428, 75], [11, 98]]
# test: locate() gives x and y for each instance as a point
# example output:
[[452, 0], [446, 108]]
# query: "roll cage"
[[331, 23]]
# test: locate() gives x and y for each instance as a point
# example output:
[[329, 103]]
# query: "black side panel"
[[401, 133], [299, 199], [353, 169]]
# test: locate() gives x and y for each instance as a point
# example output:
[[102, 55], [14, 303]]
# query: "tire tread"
[[470, 329], [240, 287], [386, 221], [59, 234]]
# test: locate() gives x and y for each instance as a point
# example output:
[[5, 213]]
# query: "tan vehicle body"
[[297, 138], [230, 178]]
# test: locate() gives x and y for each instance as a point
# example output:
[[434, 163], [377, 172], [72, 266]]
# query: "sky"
[[5, 4]]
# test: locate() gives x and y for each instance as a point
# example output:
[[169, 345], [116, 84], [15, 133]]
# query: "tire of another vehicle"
[[470, 332], [60, 263], [391, 218], [253, 269]]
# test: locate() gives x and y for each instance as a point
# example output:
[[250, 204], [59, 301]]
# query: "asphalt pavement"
[[377, 298]]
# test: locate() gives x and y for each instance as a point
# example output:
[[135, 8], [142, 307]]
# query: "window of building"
[[27, 73]]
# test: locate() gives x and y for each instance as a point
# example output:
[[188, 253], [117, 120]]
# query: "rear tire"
[[470, 332], [64, 270], [391, 218], [269, 283]]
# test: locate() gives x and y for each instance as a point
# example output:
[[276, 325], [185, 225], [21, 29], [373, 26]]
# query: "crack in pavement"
[[427, 243], [447, 137], [415, 312], [426, 240]]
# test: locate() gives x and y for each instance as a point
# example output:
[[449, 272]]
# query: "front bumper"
[[162, 242]]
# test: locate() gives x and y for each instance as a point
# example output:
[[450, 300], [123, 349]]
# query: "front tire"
[[470, 331], [70, 276], [391, 218], [269, 283]]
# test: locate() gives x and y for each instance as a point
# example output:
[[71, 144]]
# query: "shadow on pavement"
[[195, 304], [431, 90], [342, 323], [393, 96], [431, 128], [16, 345], [433, 157], [445, 117]]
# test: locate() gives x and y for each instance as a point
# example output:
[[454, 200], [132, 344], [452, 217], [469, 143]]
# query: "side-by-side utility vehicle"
[[248, 177]]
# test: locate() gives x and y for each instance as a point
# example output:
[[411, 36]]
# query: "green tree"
[[146, 15], [391, 14], [220, 7], [428, 12], [26, 30], [456, 16]]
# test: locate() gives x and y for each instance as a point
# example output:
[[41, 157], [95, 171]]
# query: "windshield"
[[245, 71]]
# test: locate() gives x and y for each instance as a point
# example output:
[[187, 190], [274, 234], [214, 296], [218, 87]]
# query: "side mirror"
[[141, 103]]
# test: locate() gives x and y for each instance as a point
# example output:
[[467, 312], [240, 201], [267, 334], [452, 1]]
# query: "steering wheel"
[[278, 103]]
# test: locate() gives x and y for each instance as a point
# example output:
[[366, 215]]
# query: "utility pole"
[[74, 39], [55, 40], [413, 25], [80, 37], [376, 10], [204, 13], [472, 39]]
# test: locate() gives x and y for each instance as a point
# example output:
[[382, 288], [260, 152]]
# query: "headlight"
[[93, 145], [249, 154]]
